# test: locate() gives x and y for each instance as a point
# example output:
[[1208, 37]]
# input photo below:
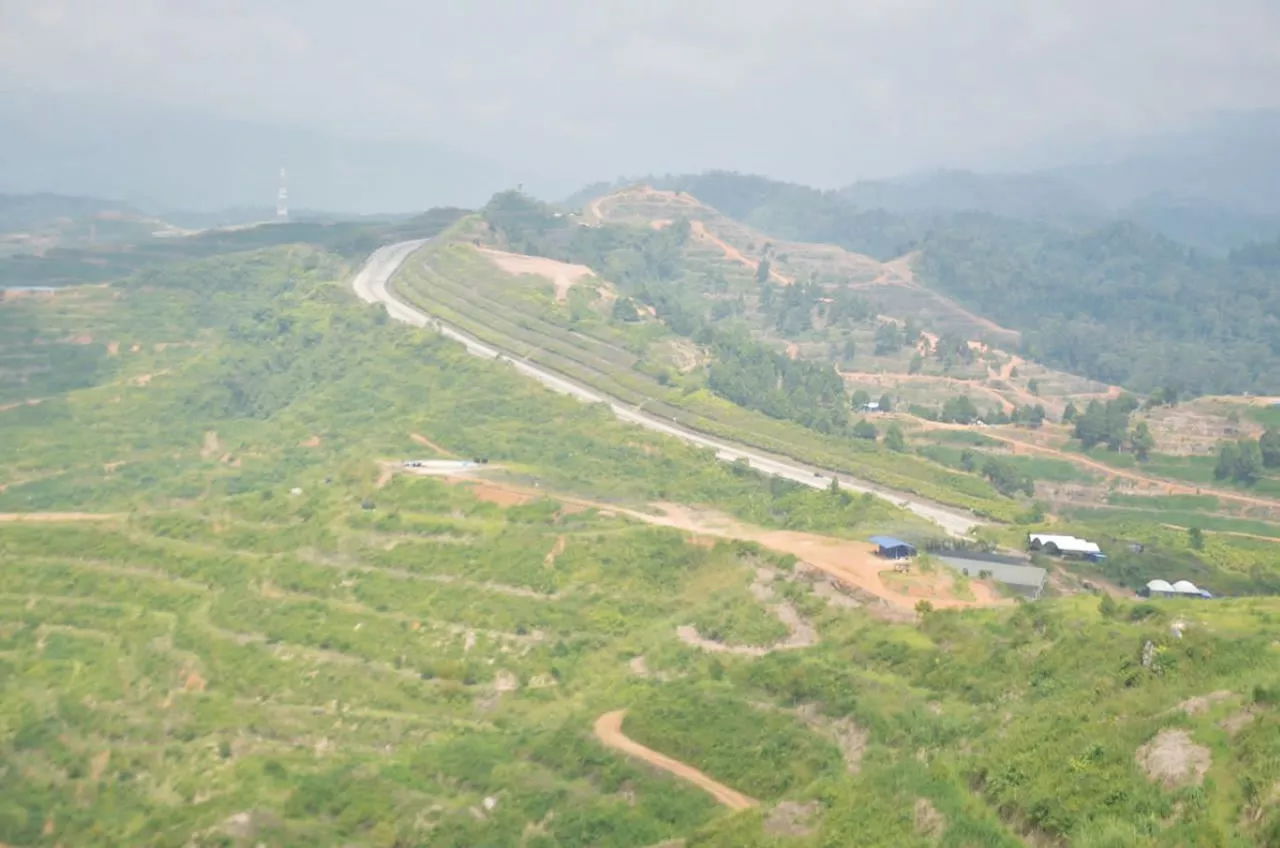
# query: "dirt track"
[[732, 253], [609, 731], [1168, 487], [850, 562], [43, 517]]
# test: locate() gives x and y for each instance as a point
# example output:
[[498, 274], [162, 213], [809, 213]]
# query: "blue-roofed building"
[[891, 548]]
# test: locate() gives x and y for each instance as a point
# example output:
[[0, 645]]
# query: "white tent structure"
[[1181, 589], [1068, 546]]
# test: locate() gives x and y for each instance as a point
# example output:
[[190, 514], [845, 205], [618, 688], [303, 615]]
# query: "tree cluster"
[[1003, 474], [1105, 423], [1244, 460], [751, 375]]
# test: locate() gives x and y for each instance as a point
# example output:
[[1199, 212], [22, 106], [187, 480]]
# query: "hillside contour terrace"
[[371, 284]]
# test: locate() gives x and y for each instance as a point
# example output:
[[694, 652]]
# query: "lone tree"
[[864, 429], [1142, 441], [1195, 537], [886, 403], [893, 438], [762, 271]]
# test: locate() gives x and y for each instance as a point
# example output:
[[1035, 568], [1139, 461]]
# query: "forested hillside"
[[1109, 301]]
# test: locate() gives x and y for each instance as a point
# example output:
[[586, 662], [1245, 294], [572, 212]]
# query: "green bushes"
[[758, 752]]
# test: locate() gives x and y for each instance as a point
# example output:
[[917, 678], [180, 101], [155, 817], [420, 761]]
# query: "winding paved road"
[[371, 285]]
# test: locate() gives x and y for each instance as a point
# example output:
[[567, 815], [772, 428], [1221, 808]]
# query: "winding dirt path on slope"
[[1237, 533], [699, 230], [608, 730], [882, 379], [420, 439]]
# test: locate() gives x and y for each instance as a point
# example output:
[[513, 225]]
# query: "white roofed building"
[[1067, 546]]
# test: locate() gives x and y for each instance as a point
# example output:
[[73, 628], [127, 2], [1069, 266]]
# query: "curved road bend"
[[609, 731], [371, 286]]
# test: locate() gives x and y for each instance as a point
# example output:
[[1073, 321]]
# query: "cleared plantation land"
[[346, 690], [403, 660], [458, 285]]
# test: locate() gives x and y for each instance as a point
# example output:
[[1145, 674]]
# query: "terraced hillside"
[[272, 634]]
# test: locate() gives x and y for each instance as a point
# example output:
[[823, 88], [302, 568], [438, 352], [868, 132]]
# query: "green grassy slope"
[[631, 363], [227, 663]]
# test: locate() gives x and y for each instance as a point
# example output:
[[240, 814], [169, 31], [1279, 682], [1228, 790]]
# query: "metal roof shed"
[[1027, 580], [891, 548]]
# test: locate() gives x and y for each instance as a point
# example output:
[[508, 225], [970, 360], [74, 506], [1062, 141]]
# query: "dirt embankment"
[[564, 275], [608, 729]]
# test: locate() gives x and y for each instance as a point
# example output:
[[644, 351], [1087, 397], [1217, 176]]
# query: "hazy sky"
[[821, 91]]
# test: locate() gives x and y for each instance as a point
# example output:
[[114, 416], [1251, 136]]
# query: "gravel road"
[[371, 285]]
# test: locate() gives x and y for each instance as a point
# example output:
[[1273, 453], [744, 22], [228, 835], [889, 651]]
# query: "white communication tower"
[[282, 200]]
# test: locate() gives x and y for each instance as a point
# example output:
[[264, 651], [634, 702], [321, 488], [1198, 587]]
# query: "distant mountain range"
[[1214, 186]]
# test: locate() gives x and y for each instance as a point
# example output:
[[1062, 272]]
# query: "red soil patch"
[[564, 275], [113, 348], [492, 492], [852, 563], [313, 442]]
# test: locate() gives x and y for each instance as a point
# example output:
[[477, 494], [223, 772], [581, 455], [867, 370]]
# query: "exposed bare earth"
[[562, 274], [1163, 486], [792, 818], [1174, 759], [733, 254], [608, 729], [492, 492], [851, 563], [9, 517]]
